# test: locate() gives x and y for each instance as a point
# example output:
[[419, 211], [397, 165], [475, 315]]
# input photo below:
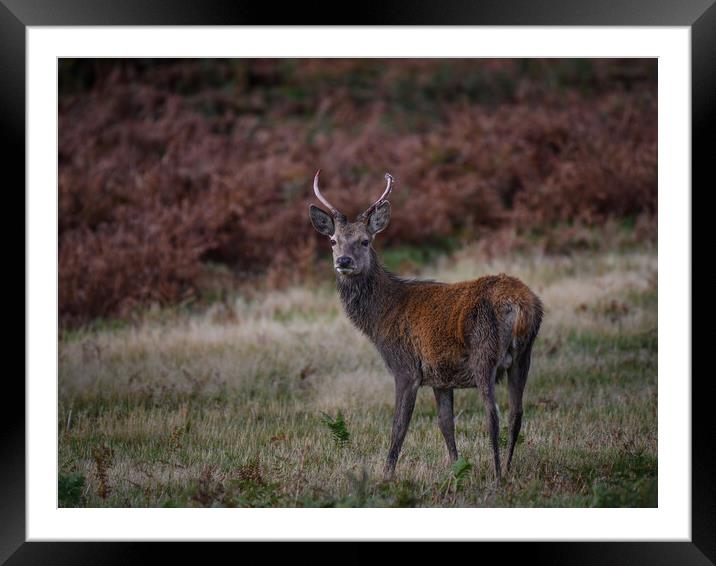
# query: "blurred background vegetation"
[[183, 180]]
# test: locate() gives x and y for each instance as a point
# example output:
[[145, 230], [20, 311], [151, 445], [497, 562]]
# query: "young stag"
[[446, 336]]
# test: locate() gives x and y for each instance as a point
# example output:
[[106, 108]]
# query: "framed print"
[[253, 248]]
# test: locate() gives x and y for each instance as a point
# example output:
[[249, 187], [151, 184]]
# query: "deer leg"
[[516, 380], [488, 349], [446, 420], [485, 376], [405, 394]]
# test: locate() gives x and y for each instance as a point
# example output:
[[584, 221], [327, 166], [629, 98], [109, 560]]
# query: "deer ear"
[[379, 218], [321, 220]]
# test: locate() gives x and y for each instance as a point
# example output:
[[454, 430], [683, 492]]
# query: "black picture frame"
[[17, 15]]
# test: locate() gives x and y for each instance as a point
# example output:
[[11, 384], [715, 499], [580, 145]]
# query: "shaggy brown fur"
[[437, 316]]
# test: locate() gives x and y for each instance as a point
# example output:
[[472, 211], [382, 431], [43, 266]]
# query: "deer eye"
[[333, 242], [365, 242]]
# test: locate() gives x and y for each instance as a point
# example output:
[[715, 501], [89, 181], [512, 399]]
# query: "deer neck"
[[367, 297]]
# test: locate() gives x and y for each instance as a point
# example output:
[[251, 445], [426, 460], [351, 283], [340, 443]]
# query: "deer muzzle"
[[345, 265]]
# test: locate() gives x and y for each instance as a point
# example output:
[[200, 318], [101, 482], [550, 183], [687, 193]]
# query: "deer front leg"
[[446, 419], [406, 392]]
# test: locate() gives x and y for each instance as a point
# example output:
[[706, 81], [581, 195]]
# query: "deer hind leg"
[[485, 376], [484, 362], [406, 392], [446, 420], [516, 380]]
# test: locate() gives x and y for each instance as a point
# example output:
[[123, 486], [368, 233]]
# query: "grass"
[[283, 403]]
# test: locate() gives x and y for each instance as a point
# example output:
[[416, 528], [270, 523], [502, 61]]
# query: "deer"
[[432, 334]]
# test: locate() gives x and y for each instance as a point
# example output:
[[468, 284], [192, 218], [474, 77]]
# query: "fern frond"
[[337, 427]]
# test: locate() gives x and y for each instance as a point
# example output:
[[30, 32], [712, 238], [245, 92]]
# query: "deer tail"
[[528, 318]]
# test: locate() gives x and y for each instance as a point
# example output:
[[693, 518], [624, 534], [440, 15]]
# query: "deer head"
[[351, 241]]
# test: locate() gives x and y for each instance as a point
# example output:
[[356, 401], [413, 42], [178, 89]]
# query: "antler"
[[334, 211], [382, 198]]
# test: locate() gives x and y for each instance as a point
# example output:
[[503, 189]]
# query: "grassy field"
[[232, 406]]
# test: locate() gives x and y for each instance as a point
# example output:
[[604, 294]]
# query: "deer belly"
[[447, 376]]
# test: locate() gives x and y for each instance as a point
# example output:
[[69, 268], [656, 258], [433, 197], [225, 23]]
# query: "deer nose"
[[344, 261]]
